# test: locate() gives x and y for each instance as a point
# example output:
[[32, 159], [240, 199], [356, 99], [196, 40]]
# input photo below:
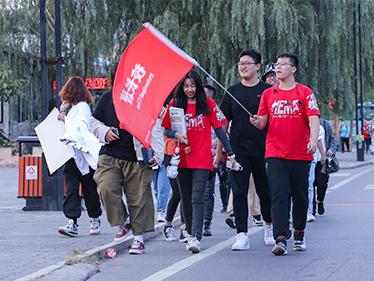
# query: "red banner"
[[148, 71]]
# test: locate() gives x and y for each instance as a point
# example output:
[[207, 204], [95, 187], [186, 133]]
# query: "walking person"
[[76, 114], [289, 109], [248, 144], [122, 171], [201, 113], [344, 136], [321, 180]]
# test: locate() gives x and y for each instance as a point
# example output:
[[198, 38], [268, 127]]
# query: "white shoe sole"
[[63, 232], [237, 248], [94, 232], [136, 252], [269, 242]]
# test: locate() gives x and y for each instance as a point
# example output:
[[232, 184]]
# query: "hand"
[[64, 106], [181, 137], [61, 116], [218, 158], [255, 120], [111, 135], [329, 152], [323, 159], [152, 162], [312, 147]]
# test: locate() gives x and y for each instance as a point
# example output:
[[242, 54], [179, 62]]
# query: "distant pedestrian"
[[344, 136], [321, 180], [76, 114], [291, 112], [269, 75]]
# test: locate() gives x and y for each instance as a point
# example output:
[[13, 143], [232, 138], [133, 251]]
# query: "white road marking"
[[185, 263], [340, 175], [344, 182], [369, 187]]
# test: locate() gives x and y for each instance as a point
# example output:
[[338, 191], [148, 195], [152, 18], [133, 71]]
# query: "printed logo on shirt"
[[219, 115], [312, 102], [194, 121], [285, 109]]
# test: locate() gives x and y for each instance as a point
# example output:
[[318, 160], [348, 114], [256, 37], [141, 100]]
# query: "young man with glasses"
[[291, 112], [248, 144]]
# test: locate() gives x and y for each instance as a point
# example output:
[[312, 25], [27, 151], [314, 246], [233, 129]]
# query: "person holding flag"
[[201, 113], [120, 171]]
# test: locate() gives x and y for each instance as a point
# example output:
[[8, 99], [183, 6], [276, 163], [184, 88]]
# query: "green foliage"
[[214, 32], [9, 86]]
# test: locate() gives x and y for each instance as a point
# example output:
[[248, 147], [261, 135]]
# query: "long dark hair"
[[180, 98]]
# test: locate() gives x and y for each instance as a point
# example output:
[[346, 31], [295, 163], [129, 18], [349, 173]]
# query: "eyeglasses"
[[282, 64], [245, 63]]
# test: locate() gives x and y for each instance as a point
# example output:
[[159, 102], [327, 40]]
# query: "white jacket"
[[78, 135]]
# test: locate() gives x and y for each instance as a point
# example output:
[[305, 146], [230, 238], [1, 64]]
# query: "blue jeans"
[[310, 186], [162, 187]]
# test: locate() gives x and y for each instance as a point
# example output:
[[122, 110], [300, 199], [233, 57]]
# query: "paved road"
[[340, 246]]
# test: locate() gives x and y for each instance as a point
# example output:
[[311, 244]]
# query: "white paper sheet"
[[49, 133], [177, 119]]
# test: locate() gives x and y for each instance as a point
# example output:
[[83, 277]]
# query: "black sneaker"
[[280, 247], [207, 230], [230, 221], [320, 208]]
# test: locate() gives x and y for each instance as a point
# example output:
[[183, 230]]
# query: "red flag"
[[148, 71]]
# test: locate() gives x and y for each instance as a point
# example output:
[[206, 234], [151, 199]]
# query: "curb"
[[358, 165], [64, 268]]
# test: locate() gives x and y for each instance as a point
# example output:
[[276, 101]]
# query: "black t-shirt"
[[245, 138], [124, 147]]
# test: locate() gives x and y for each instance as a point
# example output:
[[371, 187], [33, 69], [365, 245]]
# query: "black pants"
[[174, 201], [72, 202], [346, 142], [224, 187], [192, 183], [288, 178], [367, 144], [256, 166], [320, 184], [209, 196]]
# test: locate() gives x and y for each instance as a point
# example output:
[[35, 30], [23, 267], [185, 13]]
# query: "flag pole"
[[225, 90]]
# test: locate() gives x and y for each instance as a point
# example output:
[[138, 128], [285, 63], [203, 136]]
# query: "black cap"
[[269, 68]]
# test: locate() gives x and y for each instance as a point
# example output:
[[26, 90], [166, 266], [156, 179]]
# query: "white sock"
[[127, 221], [139, 238]]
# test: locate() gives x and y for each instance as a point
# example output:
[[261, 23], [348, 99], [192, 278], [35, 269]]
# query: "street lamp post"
[[359, 142]]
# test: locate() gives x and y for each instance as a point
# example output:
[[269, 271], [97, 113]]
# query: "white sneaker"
[[193, 245], [161, 217], [183, 238], [169, 233], [268, 234], [310, 217], [95, 226], [241, 242], [70, 229]]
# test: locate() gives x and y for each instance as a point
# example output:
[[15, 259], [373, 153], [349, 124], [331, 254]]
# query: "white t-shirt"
[[321, 137]]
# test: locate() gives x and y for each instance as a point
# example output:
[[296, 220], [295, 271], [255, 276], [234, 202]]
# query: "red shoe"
[[123, 231], [137, 248]]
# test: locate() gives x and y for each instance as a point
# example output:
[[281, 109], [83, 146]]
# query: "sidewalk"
[[348, 160], [29, 241]]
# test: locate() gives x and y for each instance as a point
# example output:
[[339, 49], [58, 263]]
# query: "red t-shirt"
[[288, 110], [198, 135]]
